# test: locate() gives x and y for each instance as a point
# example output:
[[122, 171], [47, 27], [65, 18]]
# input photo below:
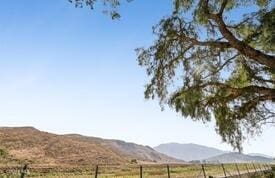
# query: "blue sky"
[[67, 70]]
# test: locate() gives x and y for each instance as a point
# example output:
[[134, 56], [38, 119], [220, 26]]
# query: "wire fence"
[[143, 171]]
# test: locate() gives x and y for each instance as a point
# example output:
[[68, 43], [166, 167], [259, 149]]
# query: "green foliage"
[[214, 66], [227, 75], [240, 77], [3, 153], [182, 5], [132, 171], [111, 6], [267, 174], [267, 28], [134, 161], [262, 3]]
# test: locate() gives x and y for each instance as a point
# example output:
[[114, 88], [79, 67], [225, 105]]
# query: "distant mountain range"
[[259, 154], [27, 144], [196, 153], [188, 152], [238, 158]]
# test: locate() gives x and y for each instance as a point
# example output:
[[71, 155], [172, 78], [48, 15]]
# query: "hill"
[[259, 154], [238, 158], [27, 144], [189, 151]]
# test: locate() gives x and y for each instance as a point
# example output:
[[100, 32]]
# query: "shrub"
[[133, 161], [3, 153]]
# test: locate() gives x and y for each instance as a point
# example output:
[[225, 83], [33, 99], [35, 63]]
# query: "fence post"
[[261, 170], [96, 171], [140, 171], [203, 170], [224, 170], [24, 171], [263, 165], [265, 168], [268, 167], [254, 167], [239, 174], [168, 171], [247, 169]]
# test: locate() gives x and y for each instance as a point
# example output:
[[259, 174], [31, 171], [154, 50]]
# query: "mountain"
[[259, 154], [27, 144], [131, 151], [188, 152], [237, 158]]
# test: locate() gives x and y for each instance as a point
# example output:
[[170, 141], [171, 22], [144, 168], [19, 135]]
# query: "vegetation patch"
[[3, 153]]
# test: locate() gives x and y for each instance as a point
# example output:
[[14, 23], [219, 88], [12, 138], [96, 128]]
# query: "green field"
[[152, 171]]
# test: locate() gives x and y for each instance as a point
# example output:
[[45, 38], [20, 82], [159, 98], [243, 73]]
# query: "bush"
[[3, 153], [269, 175], [266, 174], [133, 161]]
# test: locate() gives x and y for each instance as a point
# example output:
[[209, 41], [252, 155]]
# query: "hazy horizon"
[[67, 70]]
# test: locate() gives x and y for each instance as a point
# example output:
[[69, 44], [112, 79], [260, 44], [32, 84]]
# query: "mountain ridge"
[[235, 157], [28, 144], [199, 153], [188, 151]]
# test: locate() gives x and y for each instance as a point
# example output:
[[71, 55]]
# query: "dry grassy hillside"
[[27, 144], [128, 150]]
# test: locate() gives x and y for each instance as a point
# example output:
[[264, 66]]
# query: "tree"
[[110, 10], [214, 65]]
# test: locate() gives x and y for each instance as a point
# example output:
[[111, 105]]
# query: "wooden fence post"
[[96, 171], [247, 169], [224, 170], [265, 167], [168, 171], [261, 168], [140, 171], [268, 167], [203, 170], [239, 174], [24, 171], [254, 167]]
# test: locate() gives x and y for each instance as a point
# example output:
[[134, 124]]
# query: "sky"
[[67, 70]]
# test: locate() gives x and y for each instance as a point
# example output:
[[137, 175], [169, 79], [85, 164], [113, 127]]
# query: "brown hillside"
[[27, 144]]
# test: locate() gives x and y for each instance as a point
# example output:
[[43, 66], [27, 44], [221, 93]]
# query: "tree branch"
[[223, 5], [217, 44], [222, 66], [243, 48], [269, 93]]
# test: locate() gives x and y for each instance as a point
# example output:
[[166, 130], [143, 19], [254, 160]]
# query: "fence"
[[151, 171], [180, 171]]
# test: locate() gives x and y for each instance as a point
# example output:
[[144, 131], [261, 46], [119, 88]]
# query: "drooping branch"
[[253, 74], [180, 35], [222, 66], [216, 44], [269, 93], [242, 47], [209, 69]]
